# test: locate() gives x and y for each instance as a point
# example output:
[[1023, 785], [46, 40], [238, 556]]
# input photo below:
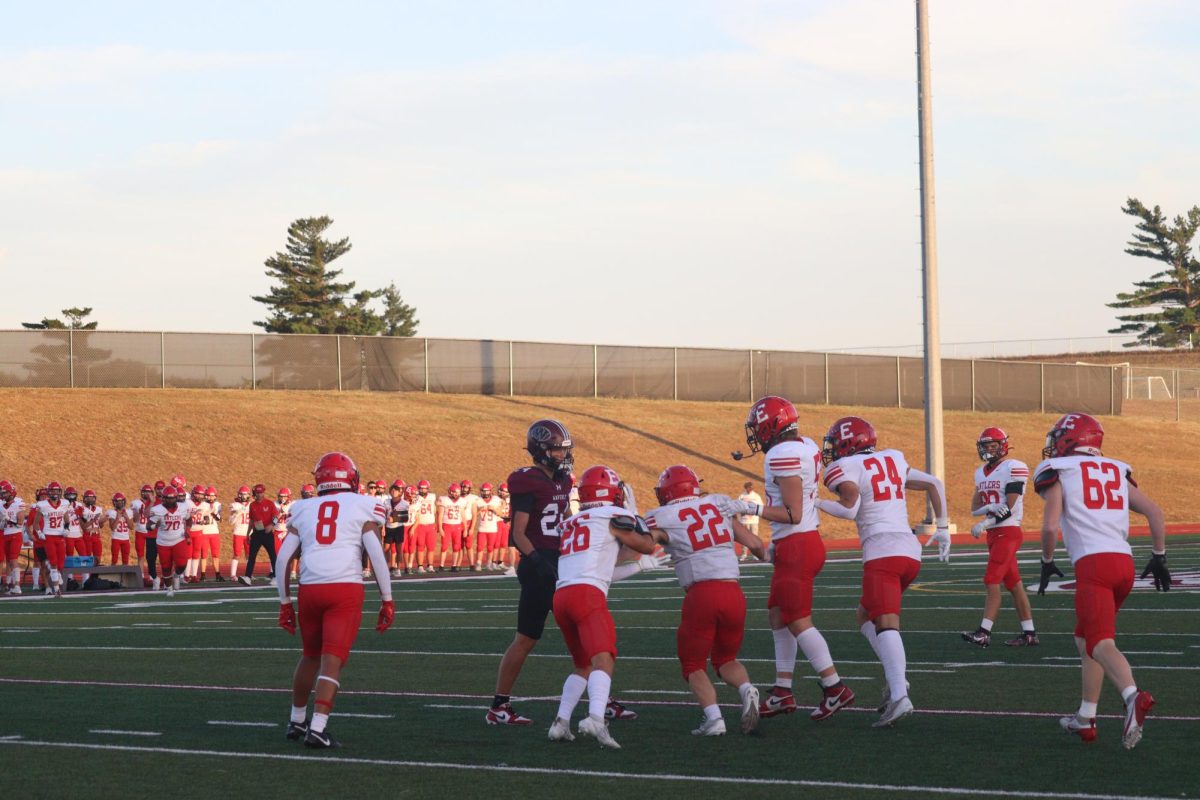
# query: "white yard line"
[[113, 732], [609, 774], [237, 724]]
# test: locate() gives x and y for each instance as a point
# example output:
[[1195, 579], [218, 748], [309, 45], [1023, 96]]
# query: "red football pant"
[[409, 545], [171, 556], [1102, 582], [426, 536], [581, 612], [485, 542], [798, 561], [452, 537], [95, 546], [12, 547], [195, 541], [884, 581], [241, 546], [212, 547], [712, 627], [120, 550], [1003, 544], [139, 544], [77, 547], [56, 551], [330, 614]]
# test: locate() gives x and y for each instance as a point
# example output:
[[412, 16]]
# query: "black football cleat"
[[297, 730], [321, 740]]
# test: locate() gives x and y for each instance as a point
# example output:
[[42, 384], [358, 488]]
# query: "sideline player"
[[328, 534], [591, 544], [791, 476], [12, 522], [169, 521], [121, 521], [239, 516], [262, 522], [1088, 498], [506, 551], [870, 487], [539, 502], [212, 535], [141, 510], [752, 497], [485, 526], [451, 525], [91, 518], [698, 533], [424, 532], [284, 505], [53, 520], [1000, 499]]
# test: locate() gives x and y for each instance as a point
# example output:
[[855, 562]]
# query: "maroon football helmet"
[[677, 483], [546, 435], [768, 420], [1074, 433], [989, 437], [847, 436]]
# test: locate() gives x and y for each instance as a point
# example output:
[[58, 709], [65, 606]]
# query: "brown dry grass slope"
[[117, 439]]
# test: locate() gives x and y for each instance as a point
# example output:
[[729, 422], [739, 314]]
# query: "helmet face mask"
[[118, 501], [992, 445], [549, 442]]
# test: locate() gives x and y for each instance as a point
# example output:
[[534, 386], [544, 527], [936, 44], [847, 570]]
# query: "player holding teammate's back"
[[791, 475], [1088, 497], [330, 533], [871, 487], [1000, 499], [592, 542], [698, 533]]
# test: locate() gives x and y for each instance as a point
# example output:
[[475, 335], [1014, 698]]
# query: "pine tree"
[[1174, 291], [308, 297], [399, 318], [75, 317]]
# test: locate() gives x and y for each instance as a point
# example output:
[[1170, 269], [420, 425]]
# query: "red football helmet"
[[502, 490], [210, 491], [178, 481], [847, 436], [284, 492], [53, 486], [6, 489], [118, 501], [334, 472], [546, 435], [422, 486], [601, 485], [677, 483], [410, 492], [243, 493], [485, 490], [466, 486], [1074, 433], [398, 484], [769, 419], [170, 496], [159, 486], [308, 490], [989, 437], [147, 489], [454, 491], [70, 490], [41, 494], [89, 494], [197, 490]]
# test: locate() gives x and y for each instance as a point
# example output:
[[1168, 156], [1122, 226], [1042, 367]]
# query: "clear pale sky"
[[737, 174]]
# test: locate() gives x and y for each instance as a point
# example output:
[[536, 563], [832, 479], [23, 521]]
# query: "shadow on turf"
[[638, 431]]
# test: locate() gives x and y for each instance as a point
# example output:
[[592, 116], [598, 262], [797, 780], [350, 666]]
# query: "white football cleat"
[[894, 712], [750, 710], [16, 590], [1135, 718], [560, 731], [710, 727], [170, 591], [598, 729], [887, 695], [1084, 729]]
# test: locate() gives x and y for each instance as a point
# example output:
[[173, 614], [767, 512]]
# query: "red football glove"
[[287, 617], [387, 615]]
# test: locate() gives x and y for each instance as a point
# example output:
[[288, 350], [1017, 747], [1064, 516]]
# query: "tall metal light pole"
[[934, 445]]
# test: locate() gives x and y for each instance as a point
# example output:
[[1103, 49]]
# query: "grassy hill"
[[115, 440]]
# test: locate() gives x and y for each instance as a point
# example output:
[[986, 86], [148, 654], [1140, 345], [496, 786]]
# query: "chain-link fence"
[[1160, 392], [362, 363]]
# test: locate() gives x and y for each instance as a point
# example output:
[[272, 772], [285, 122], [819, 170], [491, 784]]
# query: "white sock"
[[1027, 625], [319, 721], [743, 689], [815, 650], [987, 624], [37, 576], [712, 712], [1128, 693], [1086, 710], [233, 568], [16, 576], [599, 684], [299, 713], [785, 650], [891, 653], [572, 690], [868, 631], [175, 580]]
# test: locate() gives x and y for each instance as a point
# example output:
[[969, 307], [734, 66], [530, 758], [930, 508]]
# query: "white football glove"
[[998, 510], [630, 499], [979, 528], [942, 537], [653, 561]]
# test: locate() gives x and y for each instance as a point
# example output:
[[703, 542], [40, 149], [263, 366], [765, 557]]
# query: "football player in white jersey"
[[52, 522], [470, 500], [239, 517], [168, 522], [1088, 498], [871, 488], [12, 529], [212, 535], [451, 526], [999, 498], [120, 522], [791, 477], [590, 545], [486, 527], [91, 519], [330, 533], [141, 510], [698, 533]]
